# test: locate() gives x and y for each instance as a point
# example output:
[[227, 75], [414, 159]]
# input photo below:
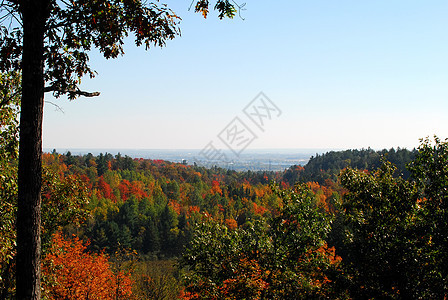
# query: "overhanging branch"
[[71, 91]]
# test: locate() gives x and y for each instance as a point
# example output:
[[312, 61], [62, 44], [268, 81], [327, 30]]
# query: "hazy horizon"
[[251, 150], [339, 75]]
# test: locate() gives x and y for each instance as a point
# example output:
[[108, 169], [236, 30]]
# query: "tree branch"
[[240, 8], [71, 91], [11, 12], [7, 99], [57, 107]]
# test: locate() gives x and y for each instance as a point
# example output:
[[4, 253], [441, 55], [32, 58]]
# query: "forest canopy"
[[253, 235]]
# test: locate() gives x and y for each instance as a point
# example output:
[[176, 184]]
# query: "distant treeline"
[[312, 225], [150, 205], [328, 166]]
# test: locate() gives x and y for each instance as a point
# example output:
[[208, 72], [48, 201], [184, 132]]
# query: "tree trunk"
[[34, 16]]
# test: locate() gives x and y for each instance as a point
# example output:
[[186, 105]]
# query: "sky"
[[336, 74]]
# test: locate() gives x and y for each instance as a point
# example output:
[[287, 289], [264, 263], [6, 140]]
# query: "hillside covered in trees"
[[328, 165], [153, 229]]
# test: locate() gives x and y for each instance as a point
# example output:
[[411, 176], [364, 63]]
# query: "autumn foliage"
[[70, 272], [240, 238]]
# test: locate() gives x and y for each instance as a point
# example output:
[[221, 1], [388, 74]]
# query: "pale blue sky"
[[346, 74]]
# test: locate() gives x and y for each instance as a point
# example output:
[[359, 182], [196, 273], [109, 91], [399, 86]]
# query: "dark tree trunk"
[[34, 16]]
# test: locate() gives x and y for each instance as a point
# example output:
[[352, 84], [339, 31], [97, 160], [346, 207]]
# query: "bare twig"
[[192, 2], [11, 13], [240, 8], [57, 107]]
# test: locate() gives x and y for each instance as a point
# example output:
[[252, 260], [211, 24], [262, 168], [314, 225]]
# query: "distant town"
[[254, 160]]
